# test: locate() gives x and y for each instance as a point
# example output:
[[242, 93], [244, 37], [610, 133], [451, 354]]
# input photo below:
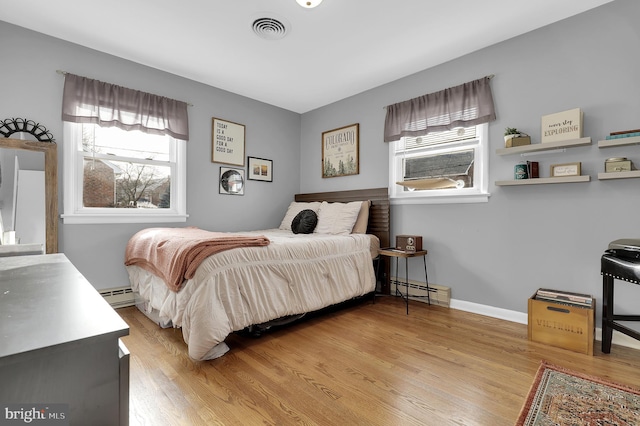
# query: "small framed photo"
[[260, 169], [567, 169], [227, 142], [231, 181]]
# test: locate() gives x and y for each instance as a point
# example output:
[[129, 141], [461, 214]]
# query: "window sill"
[[79, 219], [441, 199]]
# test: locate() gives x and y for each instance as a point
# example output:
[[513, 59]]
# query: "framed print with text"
[[260, 169], [340, 152], [231, 181], [227, 142]]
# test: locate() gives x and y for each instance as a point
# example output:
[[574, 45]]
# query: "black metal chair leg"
[[607, 313]]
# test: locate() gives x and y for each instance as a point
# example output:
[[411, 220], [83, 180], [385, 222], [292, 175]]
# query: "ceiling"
[[338, 49]]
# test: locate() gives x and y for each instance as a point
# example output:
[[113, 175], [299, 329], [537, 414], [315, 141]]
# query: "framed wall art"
[[340, 151], [227, 142], [231, 181], [260, 169]]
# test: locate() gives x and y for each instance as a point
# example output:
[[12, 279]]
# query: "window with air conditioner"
[[449, 166]]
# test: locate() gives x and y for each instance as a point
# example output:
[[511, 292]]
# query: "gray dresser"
[[60, 342]]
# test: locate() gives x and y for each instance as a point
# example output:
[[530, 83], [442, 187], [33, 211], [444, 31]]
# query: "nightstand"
[[392, 252]]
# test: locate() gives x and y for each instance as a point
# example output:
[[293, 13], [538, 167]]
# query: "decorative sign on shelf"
[[568, 169], [227, 142], [562, 126]]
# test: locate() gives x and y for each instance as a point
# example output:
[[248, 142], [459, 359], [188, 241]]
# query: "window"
[[117, 176], [125, 155], [438, 145], [450, 166]]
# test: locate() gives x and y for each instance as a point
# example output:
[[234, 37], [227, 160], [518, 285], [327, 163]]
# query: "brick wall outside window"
[[98, 184]]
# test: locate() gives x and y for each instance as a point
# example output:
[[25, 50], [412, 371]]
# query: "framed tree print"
[[260, 169], [340, 151], [227, 142]]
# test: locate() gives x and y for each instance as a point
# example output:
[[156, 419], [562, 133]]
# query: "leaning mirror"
[[49, 149]]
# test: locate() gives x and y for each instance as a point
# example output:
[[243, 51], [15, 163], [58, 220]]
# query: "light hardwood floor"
[[365, 364]]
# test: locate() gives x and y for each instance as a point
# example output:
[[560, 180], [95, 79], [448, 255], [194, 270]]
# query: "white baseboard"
[[523, 318], [490, 311]]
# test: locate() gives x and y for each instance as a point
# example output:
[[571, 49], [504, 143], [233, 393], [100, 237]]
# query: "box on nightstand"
[[562, 325]]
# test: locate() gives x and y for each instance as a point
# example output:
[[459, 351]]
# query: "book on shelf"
[[630, 134], [565, 297], [623, 132]]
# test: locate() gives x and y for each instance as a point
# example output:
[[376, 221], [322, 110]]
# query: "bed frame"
[[378, 218]]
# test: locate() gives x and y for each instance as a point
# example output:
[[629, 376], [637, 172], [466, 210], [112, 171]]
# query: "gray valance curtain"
[[465, 105], [91, 101]]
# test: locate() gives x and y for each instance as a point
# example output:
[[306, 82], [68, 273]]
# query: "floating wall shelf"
[[544, 181], [608, 143], [619, 175], [635, 140], [544, 146]]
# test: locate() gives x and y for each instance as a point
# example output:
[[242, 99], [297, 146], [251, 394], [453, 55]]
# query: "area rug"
[[559, 396]]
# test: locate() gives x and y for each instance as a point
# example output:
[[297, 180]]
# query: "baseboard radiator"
[[119, 297], [439, 295]]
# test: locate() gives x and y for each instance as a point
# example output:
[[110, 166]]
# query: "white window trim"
[[444, 196], [73, 171]]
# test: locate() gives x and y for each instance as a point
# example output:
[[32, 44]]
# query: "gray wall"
[[498, 253], [32, 89]]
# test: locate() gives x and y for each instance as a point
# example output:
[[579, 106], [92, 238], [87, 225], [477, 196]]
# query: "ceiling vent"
[[269, 28]]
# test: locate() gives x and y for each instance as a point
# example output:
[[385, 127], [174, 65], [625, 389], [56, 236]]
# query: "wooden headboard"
[[379, 220]]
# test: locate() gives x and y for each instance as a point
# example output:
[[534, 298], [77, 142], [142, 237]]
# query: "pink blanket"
[[174, 254]]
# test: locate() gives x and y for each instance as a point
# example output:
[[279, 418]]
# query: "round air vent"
[[269, 28]]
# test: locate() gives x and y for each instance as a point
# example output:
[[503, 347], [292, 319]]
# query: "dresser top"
[[45, 302]]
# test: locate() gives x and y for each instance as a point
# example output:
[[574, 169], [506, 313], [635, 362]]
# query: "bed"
[[292, 274]]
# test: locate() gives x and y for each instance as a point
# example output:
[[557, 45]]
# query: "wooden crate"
[[563, 326]]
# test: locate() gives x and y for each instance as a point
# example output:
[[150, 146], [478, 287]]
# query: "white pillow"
[[337, 218], [294, 209]]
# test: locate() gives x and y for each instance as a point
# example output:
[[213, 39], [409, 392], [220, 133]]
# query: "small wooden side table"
[[393, 252]]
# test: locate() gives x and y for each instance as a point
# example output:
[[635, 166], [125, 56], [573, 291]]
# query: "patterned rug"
[[562, 397]]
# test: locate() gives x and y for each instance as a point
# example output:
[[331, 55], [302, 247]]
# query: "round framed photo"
[[231, 181]]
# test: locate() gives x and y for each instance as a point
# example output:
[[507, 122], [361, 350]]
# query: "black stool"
[[620, 262]]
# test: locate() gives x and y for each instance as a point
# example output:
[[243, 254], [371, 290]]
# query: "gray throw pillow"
[[304, 222]]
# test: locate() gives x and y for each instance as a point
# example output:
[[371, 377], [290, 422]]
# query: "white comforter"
[[237, 288]]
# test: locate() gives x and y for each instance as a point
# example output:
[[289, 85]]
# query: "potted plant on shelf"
[[514, 137], [511, 132]]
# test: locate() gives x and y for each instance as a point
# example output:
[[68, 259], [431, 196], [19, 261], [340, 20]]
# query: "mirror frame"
[[50, 150]]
